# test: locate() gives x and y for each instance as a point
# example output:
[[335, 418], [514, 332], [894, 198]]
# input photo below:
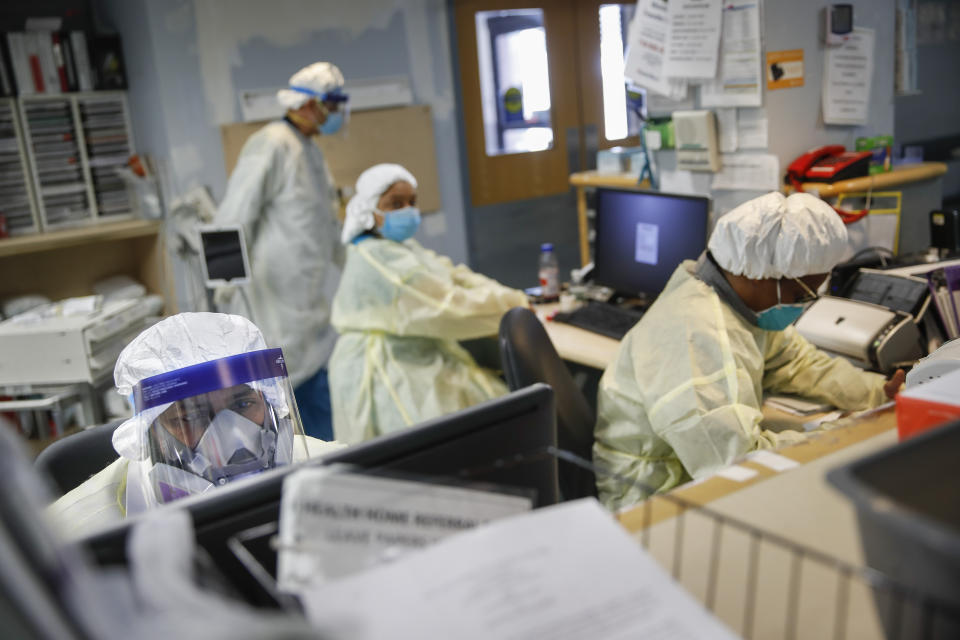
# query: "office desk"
[[798, 506], [575, 344]]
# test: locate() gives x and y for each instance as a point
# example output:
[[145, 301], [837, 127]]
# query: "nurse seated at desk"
[[682, 397]]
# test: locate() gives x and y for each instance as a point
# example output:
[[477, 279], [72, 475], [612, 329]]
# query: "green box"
[[882, 149], [664, 127]]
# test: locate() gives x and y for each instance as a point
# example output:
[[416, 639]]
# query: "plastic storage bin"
[[908, 509]]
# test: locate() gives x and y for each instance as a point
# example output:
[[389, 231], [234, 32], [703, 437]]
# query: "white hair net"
[[320, 77], [774, 236], [371, 184], [174, 343]]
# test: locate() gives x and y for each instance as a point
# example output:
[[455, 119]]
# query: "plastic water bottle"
[[549, 273]]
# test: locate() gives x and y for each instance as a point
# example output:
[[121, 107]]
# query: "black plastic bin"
[[908, 509]]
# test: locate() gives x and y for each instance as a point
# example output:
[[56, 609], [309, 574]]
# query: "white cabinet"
[[74, 142]]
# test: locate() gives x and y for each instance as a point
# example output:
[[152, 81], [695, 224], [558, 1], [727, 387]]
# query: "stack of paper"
[[708, 42], [563, 572]]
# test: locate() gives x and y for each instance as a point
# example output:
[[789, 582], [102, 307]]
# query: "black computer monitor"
[[641, 237], [483, 439]]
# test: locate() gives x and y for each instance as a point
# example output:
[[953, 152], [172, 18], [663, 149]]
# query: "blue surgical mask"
[[332, 124], [400, 224], [779, 317]]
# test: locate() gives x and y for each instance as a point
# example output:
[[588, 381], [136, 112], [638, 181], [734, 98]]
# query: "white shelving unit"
[[17, 202], [74, 142]]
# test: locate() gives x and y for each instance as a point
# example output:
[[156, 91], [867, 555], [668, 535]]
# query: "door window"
[[514, 81], [619, 121]]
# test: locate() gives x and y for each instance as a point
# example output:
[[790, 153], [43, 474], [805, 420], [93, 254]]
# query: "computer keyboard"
[[600, 317]]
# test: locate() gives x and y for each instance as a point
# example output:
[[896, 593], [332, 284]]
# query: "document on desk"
[[847, 78], [334, 523], [564, 572], [739, 81], [646, 50]]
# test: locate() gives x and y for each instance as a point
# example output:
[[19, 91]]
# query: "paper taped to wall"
[[748, 172]]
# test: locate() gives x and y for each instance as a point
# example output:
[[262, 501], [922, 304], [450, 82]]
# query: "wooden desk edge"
[[616, 180], [660, 508], [900, 176]]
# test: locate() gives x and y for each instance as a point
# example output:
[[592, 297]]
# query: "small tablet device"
[[224, 255]]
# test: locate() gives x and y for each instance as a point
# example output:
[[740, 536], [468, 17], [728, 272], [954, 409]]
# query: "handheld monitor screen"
[[224, 255], [641, 237]]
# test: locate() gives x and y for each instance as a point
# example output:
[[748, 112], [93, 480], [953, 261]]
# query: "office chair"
[[71, 460], [528, 357]]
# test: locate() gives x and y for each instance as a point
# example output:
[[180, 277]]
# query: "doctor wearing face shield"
[[401, 310], [283, 196], [682, 397], [213, 405]]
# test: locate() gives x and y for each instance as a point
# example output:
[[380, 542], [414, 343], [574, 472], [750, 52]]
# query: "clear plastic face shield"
[[333, 105], [203, 426]]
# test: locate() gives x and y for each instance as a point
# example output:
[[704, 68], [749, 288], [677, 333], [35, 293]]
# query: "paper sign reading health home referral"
[[784, 69], [336, 523]]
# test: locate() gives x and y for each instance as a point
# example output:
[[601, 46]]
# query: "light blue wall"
[[189, 59]]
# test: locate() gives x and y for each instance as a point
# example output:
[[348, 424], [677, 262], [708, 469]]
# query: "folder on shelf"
[[945, 298]]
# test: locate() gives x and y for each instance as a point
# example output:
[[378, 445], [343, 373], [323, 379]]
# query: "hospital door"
[[541, 89]]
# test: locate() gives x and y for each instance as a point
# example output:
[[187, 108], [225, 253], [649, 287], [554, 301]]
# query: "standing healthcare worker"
[[283, 196], [682, 397], [400, 311]]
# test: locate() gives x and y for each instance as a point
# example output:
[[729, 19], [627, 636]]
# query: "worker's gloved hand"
[[223, 294], [892, 386]]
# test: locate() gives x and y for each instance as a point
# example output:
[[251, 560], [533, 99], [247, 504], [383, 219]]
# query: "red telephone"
[[830, 163]]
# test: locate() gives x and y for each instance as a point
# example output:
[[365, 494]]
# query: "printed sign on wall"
[[784, 69]]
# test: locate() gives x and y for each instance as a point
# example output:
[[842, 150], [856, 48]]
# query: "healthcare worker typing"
[[682, 397], [213, 405], [282, 194], [400, 311]]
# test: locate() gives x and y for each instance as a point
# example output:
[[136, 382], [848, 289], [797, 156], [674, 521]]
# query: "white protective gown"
[[682, 398], [282, 194], [103, 499], [400, 311]]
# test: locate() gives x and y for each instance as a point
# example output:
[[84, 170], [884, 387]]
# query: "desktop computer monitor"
[[641, 237], [487, 439]]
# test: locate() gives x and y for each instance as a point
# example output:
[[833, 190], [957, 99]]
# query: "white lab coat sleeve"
[[795, 366], [253, 181], [433, 298]]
